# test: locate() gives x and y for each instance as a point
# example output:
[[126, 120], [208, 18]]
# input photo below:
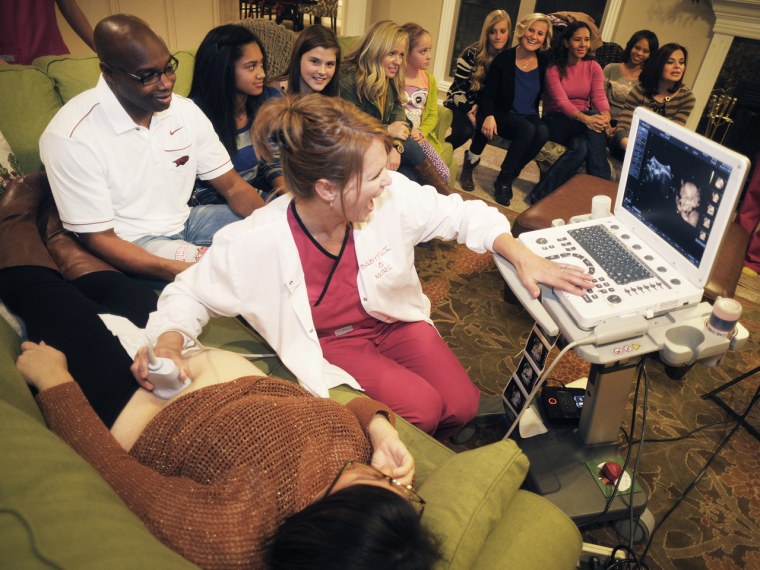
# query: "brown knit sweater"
[[219, 469]]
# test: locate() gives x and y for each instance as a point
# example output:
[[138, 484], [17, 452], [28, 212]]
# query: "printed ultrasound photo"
[[538, 349], [527, 375], [510, 413], [514, 395]]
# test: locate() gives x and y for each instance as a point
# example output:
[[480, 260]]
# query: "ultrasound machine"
[[650, 260]]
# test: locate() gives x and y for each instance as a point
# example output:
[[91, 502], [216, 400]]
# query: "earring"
[[331, 202]]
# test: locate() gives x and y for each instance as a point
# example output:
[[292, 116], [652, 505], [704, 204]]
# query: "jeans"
[[562, 170], [562, 128], [412, 156], [198, 233], [583, 145]]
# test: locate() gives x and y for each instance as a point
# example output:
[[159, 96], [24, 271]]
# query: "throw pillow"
[[468, 494], [9, 167]]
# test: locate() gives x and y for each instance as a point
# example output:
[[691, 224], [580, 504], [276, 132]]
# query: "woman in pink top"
[[576, 111]]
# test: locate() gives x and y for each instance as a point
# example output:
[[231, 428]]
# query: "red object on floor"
[[748, 217]]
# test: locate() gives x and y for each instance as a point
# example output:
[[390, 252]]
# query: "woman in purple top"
[[576, 111]]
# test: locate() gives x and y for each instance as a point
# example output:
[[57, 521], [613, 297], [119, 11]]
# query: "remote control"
[[164, 375]]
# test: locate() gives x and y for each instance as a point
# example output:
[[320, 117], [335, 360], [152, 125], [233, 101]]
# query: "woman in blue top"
[[509, 103], [228, 85]]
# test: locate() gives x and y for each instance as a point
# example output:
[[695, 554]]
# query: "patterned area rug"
[[716, 526]]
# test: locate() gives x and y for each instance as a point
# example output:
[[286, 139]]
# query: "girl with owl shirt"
[[422, 96]]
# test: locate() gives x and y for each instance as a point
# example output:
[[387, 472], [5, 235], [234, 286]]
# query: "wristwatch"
[[399, 146]]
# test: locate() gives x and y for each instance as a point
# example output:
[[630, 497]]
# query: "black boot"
[[429, 175], [465, 179], [503, 189]]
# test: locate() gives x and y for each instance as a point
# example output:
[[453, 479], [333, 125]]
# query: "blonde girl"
[[373, 79], [422, 95], [470, 75]]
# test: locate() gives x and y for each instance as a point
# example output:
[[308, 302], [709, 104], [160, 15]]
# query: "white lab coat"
[[253, 269]]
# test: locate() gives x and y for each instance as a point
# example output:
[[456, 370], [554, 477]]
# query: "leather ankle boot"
[[465, 178], [429, 175], [71, 257], [20, 239], [503, 189]]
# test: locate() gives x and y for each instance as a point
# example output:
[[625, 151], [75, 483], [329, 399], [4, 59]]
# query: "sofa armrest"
[[13, 388], [445, 117], [57, 511]]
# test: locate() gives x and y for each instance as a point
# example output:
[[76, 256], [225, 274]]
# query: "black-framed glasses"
[[150, 78], [368, 472]]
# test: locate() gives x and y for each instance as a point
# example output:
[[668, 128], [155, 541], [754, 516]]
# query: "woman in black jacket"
[[509, 104]]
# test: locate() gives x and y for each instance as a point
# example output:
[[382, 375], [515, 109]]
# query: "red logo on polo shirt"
[[181, 160]]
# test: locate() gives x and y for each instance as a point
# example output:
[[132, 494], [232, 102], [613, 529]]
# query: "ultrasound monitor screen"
[[675, 190]]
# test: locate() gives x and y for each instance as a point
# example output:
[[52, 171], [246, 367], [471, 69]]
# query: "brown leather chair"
[[574, 198]]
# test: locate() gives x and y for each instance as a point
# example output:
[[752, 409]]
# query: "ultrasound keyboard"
[[628, 276], [614, 259]]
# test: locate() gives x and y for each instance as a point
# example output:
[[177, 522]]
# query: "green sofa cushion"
[[348, 43], [546, 538], [29, 102], [482, 496], [56, 508], [74, 74], [491, 515], [184, 72]]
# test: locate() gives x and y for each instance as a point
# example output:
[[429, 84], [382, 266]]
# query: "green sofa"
[[55, 511]]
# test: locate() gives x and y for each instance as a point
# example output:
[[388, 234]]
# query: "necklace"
[[659, 107], [630, 75], [523, 62]]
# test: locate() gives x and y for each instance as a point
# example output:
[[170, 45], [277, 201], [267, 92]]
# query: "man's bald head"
[[120, 37], [129, 51]]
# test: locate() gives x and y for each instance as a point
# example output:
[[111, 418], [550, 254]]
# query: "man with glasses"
[[122, 159]]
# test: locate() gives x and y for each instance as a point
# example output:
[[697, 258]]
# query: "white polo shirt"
[[108, 172]]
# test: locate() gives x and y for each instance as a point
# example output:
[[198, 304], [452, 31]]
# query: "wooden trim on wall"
[[443, 49]]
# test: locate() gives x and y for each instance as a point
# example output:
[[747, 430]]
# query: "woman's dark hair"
[[649, 36], [313, 37], [213, 88], [652, 72], [561, 52], [362, 526]]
